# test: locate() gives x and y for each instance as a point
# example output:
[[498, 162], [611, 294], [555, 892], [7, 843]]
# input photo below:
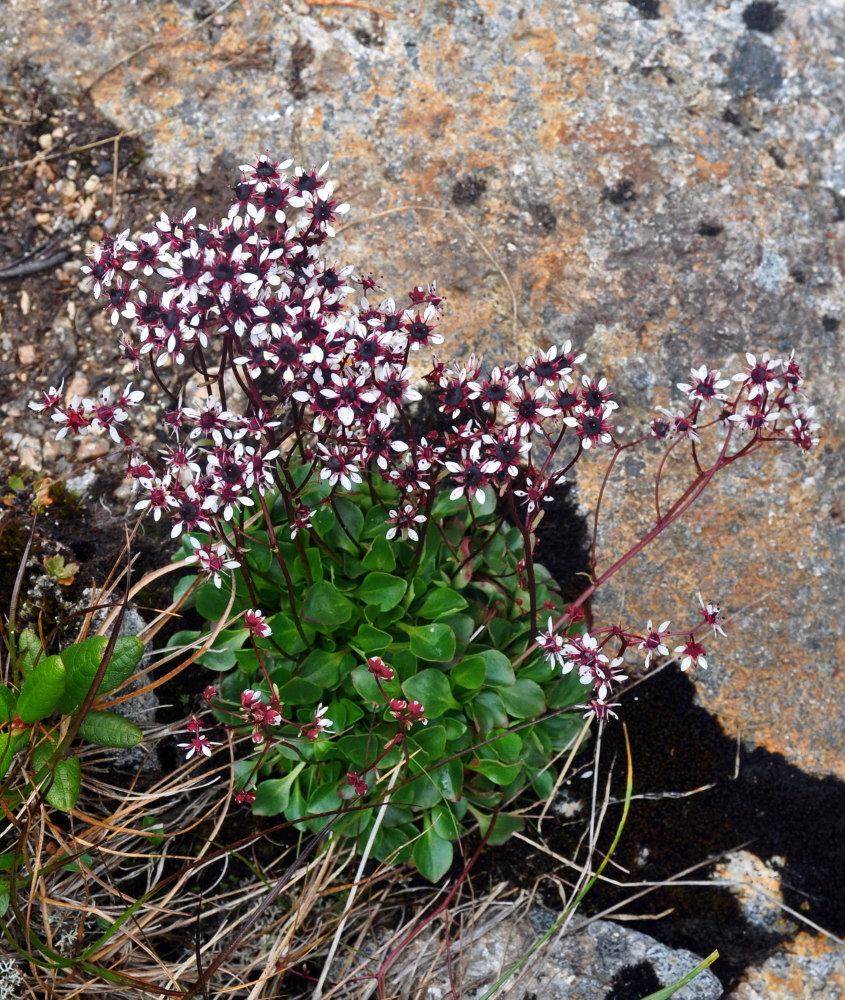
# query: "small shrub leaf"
[[108, 729]]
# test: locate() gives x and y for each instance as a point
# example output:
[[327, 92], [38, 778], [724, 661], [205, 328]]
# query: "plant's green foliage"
[[29, 646], [108, 729], [458, 641], [42, 690], [58, 780]]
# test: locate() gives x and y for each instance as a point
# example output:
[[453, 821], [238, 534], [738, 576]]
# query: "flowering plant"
[[383, 607]]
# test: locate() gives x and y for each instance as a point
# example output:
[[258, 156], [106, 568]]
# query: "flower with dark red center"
[[591, 427], [257, 625], [693, 653], [758, 375], [653, 643]]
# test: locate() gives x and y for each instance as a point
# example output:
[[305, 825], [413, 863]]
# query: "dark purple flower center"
[[242, 191], [230, 473], [322, 211], [239, 304], [230, 242], [170, 319], [328, 279], [274, 197], [454, 395], [418, 331], [591, 425], [472, 476], [150, 312], [309, 328], [495, 393], [505, 451], [224, 271], [393, 388], [334, 464], [188, 511], [190, 267], [593, 398], [545, 369], [265, 169], [527, 408]]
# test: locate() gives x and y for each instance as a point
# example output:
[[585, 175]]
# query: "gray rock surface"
[[588, 963]]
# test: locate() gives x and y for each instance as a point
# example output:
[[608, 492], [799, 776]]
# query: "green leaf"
[[497, 772], [108, 729], [432, 855], [382, 555], [287, 637], [326, 607], [365, 685], [503, 827], [10, 744], [523, 699], [431, 688], [273, 794], [350, 518], [5, 887], [430, 739], [440, 602], [298, 691], [488, 711], [222, 655], [7, 704], [506, 747], [82, 661], [29, 647], [499, 672], [369, 639], [127, 654], [62, 783], [431, 642], [211, 601], [323, 667], [469, 672], [382, 590]]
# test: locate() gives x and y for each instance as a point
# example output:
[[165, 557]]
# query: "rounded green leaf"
[[59, 785], [326, 607], [431, 688], [469, 672], [108, 729], [523, 699], [440, 602], [82, 661], [382, 590], [126, 655], [382, 555], [499, 670], [432, 855], [273, 795], [497, 772], [369, 639], [42, 690], [431, 642], [8, 700]]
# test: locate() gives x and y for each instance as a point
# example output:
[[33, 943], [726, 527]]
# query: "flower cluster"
[[293, 366], [583, 651]]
